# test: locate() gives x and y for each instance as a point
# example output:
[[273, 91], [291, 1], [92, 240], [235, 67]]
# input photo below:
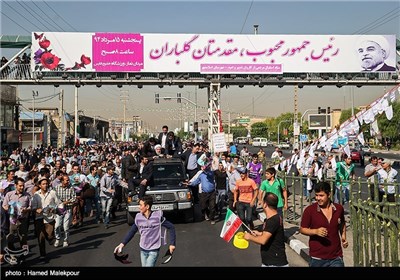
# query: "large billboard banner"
[[212, 53]]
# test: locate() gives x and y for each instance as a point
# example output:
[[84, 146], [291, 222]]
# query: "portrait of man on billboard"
[[373, 53]]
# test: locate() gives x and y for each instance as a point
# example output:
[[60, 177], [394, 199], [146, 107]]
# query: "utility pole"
[[279, 127], [34, 94], [229, 122], [352, 100], [253, 105], [195, 104], [60, 140], [76, 116], [124, 98], [296, 129]]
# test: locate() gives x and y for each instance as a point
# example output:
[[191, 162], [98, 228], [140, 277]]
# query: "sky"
[[204, 17]]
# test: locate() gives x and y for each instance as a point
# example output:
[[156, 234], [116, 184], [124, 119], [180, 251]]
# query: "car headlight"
[[183, 195]]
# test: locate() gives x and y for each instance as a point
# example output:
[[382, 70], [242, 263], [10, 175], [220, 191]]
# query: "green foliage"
[[286, 122], [238, 131], [183, 135], [390, 128], [346, 114], [141, 137], [259, 129]]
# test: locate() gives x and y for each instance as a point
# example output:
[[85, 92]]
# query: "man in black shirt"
[[271, 238], [220, 182]]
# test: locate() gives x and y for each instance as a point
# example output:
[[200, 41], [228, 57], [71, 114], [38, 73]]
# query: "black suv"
[[168, 192]]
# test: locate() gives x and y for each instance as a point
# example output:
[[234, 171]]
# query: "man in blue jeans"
[[149, 224]]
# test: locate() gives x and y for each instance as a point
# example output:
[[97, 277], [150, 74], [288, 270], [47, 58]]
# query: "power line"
[[37, 98], [386, 21], [22, 16], [15, 22], [29, 12], [60, 16], [372, 25], [46, 16], [245, 20]]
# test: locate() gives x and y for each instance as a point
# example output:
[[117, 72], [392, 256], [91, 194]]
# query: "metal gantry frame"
[[214, 99]]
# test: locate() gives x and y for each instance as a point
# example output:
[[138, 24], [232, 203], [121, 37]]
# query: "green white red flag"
[[231, 224]]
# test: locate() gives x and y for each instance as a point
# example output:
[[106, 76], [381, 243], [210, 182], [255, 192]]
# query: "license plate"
[[162, 207]]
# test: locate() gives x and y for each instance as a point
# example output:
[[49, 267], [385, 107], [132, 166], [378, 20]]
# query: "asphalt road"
[[198, 245]]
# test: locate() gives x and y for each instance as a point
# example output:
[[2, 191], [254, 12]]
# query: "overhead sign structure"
[[211, 53], [319, 121]]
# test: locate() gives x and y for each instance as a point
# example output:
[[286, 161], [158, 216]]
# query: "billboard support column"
[[214, 97], [76, 121]]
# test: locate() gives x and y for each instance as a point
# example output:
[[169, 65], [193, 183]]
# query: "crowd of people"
[[56, 189], [20, 67]]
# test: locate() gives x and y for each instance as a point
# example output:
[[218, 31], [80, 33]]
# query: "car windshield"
[[168, 171]]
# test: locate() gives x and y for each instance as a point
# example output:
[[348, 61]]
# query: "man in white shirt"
[[162, 137], [386, 177]]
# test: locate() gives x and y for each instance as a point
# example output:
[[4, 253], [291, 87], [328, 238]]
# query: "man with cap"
[[387, 176], [244, 197], [373, 52]]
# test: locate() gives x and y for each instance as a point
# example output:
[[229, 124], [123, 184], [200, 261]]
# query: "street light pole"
[[34, 94], [188, 100], [301, 122], [124, 98]]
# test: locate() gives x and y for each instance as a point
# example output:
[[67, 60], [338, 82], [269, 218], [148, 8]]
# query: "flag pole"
[[247, 227]]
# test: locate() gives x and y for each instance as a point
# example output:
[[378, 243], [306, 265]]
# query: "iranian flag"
[[231, 225]]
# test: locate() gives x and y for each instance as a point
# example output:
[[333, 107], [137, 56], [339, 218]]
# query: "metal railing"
[[374, 221]]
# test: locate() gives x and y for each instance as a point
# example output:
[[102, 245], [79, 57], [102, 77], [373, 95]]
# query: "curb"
[[299, 247]]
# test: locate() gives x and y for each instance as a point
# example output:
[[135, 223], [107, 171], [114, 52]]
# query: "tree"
[[259, 129], [238, 131], [139, 137], [286, 121], [346, 114], [390, 128]]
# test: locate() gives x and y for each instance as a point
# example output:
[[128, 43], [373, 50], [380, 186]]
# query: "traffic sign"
[[244, 120], [303, 137]]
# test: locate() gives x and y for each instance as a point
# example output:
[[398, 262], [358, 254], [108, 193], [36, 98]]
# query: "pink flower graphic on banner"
[[49, 60], [45, 59], [85, 60]]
